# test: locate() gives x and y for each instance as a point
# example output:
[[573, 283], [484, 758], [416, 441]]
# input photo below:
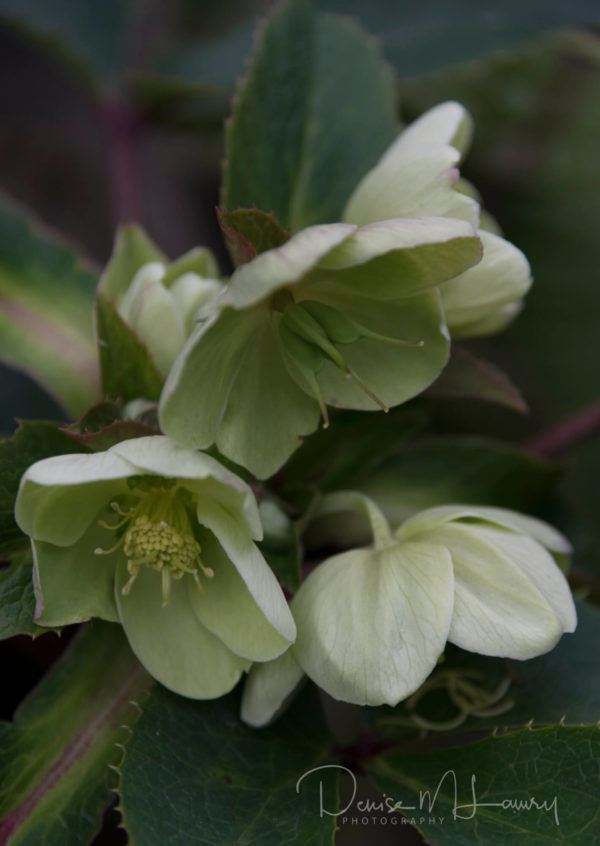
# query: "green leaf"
[[32, 442], [285, 152], [128, 371], [557, 765], [56, 756], [103, 425], [114, 433], [17, 599], [466, 470], [46, 308], [248, 232], [352, 448], [217, 776], [88, 37], [466, 375]]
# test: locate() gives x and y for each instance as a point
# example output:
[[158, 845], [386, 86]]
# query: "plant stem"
[[122, 124], [576, 429]]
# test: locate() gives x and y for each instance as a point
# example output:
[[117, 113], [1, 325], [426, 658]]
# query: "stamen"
[[114, 527], [134, 571], [116, 507], [166, 585], [100, 551], [367, 390]]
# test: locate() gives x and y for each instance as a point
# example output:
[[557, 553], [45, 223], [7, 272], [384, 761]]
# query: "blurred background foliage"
[[115, 109]]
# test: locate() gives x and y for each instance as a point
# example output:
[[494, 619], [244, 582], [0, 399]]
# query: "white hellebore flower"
[[372, 623], [160, 539], [417, 176], [158, 301]]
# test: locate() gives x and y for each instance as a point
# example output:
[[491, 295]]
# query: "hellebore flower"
[[159, 301], [373, 622], [418, 175], [338, 315], [158, 538]]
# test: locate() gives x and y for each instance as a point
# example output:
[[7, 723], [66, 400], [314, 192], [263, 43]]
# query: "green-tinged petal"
[[397, 258], [227, 609], [150, 310], [493, 322], [545, 534], [159, 455], [267, 412], [190, 293], [539, 567], [487, 222], [197, 389], [133, 249], [498, 610], [284, 265], [60, 496], [403, 186], [170, 641], [268, 687], [251, 566], [199, 261], [73, 584], [394, 373], [448, 123], [501, 277], [371, 625]]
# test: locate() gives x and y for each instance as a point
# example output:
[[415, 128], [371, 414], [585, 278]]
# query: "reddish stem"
[[580, 427], [122, 125]]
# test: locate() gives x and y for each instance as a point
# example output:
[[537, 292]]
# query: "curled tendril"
[[466, 691]]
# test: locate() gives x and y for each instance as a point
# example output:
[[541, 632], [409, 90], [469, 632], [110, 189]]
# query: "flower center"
[[159, 535]]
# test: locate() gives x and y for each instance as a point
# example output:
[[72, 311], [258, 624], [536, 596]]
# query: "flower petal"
[[393, 372], [227, 608], [267, 412], [133, 249], [500, 278], [198, 260], [170, 642], [411, 186], [371, 625], [448, 123], [397, 258], [539, 567], [284, 265], [71, 583], [150, 310], [197, 389], [547, 535], [60, 496], [493, 322], [161, 456], [268, 687], [191, 292], [498, 610], [251, 566]]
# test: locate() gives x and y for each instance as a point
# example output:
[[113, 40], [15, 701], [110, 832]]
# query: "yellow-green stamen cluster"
[[158, 535]]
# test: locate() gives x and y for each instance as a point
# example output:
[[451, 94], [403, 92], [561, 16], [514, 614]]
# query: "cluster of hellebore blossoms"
[[358, 314]]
